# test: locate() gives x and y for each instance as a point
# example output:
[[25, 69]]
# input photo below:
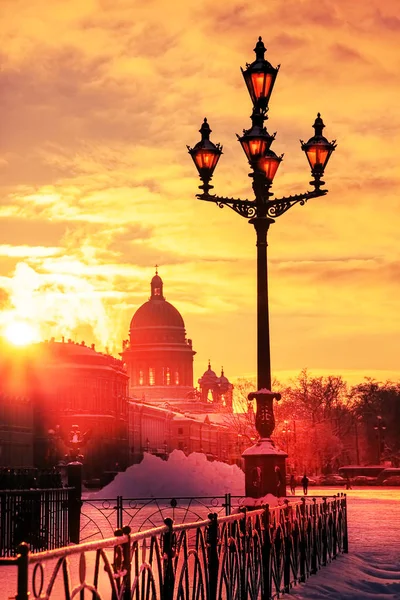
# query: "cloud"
[[98, 102]]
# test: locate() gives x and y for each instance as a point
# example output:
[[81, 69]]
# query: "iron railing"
[[101, 517], [38, 517], [249, 555]]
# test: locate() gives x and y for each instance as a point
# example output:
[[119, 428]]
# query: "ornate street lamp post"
[[261, 213]]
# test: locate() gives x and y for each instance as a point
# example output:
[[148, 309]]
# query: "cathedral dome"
[[157, 313], [209, 377], [224, 383]]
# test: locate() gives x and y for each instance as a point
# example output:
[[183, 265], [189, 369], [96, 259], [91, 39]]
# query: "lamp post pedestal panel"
[[265, 470]]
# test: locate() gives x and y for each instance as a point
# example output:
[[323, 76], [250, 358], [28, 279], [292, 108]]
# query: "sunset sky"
[[98, 101]]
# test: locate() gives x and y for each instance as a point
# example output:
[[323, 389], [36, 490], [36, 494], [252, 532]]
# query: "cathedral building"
[[159, 360], [166, 411], [158, 356]]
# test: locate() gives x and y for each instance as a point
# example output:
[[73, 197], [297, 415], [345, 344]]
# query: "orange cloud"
[[100, 98]]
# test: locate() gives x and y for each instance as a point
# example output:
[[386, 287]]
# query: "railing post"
[[266, 556], [244, 551], [345, 533], [314, 537], [324, 557], [127, 565], [74, 470], [212, 551], [303, 540], [287, 536], [167, 587], [228, 504], [23, 567], [335, 527], [119, 512]]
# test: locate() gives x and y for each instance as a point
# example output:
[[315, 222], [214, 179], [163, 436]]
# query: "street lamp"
[[380, 428], [286, 431], [261, 213]]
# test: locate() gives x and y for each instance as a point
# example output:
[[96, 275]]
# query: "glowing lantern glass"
[[205, 154], [269, 164], [318, 150], [260, 77]]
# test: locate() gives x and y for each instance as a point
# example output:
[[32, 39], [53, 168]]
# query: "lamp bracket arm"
[[244, 208], [277, 207]]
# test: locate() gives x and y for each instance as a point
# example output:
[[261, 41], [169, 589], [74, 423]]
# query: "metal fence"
[[101, 517], [38, 517], [249, 555]]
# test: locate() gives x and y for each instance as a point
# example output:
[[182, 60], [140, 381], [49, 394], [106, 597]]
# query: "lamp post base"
[[265, 469]]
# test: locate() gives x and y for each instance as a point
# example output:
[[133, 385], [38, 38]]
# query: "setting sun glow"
[[20, 334]]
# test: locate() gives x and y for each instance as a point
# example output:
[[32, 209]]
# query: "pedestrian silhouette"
[[292, 484], [304, 483], [278, 481]]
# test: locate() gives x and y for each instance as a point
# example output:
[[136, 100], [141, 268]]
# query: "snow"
[[371, 570], [262, 447], [179, 476]]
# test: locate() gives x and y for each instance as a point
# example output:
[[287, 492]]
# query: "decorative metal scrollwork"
[[248, 211], [261, 207]]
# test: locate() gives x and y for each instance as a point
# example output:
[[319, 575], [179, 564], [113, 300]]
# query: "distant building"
[[145, 402], [72, 384], [16, 431], [16, 414], [165, 410], [216, 390]]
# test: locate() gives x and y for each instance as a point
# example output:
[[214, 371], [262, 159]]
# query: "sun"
[[20, 333]]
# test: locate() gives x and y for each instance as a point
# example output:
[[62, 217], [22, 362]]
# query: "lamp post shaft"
[[261, 225]]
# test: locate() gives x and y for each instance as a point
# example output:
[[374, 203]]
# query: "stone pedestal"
[[265, 469]]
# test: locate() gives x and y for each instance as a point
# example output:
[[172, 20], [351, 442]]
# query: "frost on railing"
[[249, 554]]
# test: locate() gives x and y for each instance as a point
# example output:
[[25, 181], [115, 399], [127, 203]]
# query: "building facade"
[[16, 431]]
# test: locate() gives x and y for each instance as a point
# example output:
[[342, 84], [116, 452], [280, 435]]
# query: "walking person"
[[304, 483], [292, 484], [278, 481]]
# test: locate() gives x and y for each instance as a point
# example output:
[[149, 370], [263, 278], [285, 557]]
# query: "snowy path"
[[371, 570]]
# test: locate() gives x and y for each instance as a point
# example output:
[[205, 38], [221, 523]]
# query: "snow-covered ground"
[[371, 570]]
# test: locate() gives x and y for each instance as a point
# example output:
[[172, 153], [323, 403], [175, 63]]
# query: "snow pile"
[[179, 476]]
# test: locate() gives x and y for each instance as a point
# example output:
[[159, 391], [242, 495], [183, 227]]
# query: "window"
[[151, 376], [141, 378], [180, 430], [167, 376], [176, 377], [157, 291]]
